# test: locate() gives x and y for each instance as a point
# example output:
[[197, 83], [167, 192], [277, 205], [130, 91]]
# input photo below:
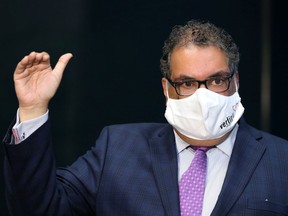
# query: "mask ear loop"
[[167, 86], [235, 82]]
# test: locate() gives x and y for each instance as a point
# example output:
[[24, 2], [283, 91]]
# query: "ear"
[[164, 86]]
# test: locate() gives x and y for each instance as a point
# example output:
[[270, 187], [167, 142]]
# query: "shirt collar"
[[226, 146]]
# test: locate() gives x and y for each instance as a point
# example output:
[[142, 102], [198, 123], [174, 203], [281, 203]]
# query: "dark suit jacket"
[[132, 171]]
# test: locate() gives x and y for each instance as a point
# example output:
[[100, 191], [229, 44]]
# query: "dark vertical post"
[[266, 65]]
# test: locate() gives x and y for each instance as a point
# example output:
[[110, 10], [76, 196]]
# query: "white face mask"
[[205, 114]]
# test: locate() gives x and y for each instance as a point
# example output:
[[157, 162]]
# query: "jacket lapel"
[[165, 168], [246, 155]]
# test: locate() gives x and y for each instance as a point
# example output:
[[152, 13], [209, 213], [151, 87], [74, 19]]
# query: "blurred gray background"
[[114, 76]]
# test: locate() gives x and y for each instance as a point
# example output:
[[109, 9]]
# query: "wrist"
[[28, 113]]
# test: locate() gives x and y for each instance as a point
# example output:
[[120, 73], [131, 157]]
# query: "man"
[[137, 169]]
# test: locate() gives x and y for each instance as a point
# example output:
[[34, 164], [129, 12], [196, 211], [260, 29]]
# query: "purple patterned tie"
[[192, 185]]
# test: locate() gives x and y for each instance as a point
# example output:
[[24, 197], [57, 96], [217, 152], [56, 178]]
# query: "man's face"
[[199, 63]]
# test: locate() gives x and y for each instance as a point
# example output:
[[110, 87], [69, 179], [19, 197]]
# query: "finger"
[[34, 58], [27, 62], [62, 63], [31, 59], [41, 57], [24, 63]]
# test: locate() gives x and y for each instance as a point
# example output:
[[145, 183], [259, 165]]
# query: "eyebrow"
[[216, 74]]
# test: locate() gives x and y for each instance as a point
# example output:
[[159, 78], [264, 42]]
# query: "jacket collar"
[[165, 168], [246, 154]]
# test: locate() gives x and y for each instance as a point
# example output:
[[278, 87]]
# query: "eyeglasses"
[[187, 87]]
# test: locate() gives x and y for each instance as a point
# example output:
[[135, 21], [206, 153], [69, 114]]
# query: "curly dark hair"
[[199, 33]]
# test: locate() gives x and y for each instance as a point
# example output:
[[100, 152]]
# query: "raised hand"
[[36, 82]]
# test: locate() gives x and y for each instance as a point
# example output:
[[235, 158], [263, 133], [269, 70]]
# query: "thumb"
[[62, 63]]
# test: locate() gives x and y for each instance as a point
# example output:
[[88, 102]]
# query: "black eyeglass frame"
[[175, 84]]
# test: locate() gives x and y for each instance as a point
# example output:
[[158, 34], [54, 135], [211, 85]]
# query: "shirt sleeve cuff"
[[22, 130]]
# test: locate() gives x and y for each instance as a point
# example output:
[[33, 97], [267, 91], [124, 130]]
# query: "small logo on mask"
[[227, 122], [235, 107], [229, 119]]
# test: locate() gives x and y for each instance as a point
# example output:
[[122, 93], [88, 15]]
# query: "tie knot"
[[204, 149]]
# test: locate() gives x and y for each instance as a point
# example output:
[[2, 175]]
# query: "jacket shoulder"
[[144, 129], [263, 136]]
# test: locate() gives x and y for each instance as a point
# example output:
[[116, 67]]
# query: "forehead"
[[197, 62]]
